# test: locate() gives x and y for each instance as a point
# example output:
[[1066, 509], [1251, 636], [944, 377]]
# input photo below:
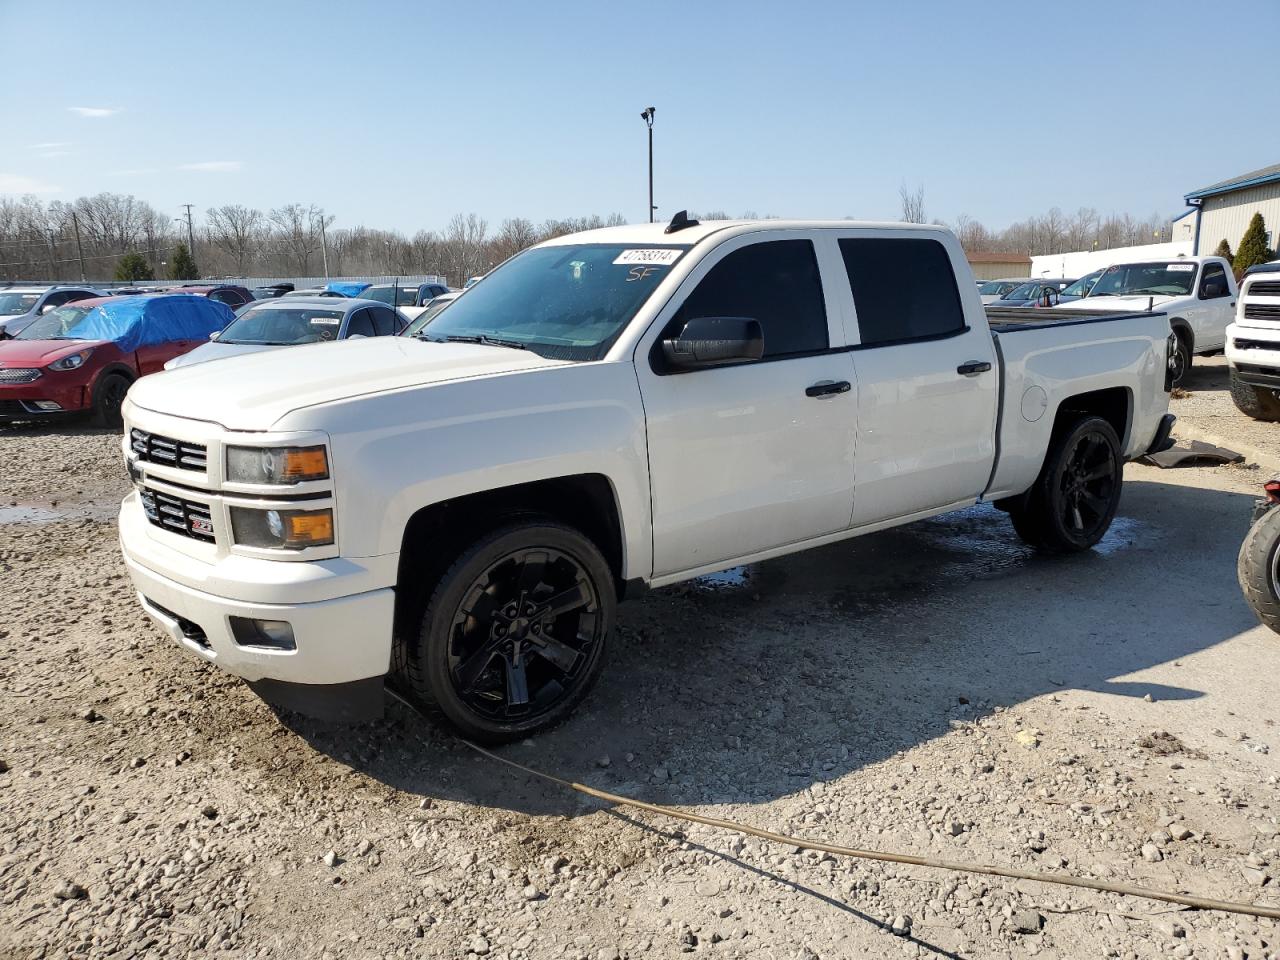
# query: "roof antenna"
[[679, 222]]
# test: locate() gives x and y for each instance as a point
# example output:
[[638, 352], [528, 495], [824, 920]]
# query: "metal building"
[[1224, 210], [999, 266]]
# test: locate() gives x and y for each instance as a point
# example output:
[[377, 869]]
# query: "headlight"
[[281, 529], [276, 465], [73, 361]]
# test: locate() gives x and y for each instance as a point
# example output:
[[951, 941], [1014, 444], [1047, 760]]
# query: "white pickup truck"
[[459, 512], [1197, 294], [1253, 344]]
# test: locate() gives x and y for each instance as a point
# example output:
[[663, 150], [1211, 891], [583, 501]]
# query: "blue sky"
[[400, 114]]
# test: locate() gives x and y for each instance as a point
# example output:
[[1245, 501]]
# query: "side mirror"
[[1212, 289], [713, 342]]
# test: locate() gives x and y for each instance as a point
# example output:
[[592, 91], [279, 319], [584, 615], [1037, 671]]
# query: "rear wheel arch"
[[1112, 404]]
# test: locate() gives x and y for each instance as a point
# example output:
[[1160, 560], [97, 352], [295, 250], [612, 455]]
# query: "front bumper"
[[17, 400], [1254, 352], [341, 630]]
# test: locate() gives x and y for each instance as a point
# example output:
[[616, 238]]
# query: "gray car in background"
[[1034, 293], [21, 305], [290, 321]]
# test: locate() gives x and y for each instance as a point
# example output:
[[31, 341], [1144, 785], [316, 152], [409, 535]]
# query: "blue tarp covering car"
[[133, 322], [348, 288]]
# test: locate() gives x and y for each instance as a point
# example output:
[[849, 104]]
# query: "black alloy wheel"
[[109, 399], [1076, 496], [526, 631], [1088, 486], [514, 633]]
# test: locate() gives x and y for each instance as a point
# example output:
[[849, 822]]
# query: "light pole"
[[647, 116]]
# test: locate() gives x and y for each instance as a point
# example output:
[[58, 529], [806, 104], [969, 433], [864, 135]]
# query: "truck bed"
[[1011, 319]]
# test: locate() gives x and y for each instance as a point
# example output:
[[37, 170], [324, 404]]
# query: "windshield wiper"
[[486, 340]]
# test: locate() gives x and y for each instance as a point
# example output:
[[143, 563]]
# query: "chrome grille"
[[186, 517], [1265, 288], [168, 452], [1262, 311], [19, 375]]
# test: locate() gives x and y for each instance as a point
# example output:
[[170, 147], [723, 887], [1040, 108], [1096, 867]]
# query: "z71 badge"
[[202, 526]]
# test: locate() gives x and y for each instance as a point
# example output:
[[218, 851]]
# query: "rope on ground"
[[1200, 903]]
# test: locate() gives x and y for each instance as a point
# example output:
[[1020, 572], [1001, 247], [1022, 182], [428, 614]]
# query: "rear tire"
[[108, 399], [515, 632], [1257, 569], [1260, 403], [1075, 498]]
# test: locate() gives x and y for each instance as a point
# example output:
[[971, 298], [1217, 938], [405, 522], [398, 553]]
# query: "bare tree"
[[513, 236], [237, 231], [912, 204], [298, 229]]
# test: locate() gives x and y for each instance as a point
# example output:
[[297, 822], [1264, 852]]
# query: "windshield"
[[1082, 286], [426, 316], [56, 324], [405, 296], [1156, 279], [566, 302], [1027, 291], [281, 326], [12, 304], [997, 288]]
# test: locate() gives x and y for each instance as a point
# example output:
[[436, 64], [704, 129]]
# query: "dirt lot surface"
[[937, 689], [1205, 412]]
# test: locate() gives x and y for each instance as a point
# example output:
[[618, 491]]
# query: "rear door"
[[926, 374], [749, 457]]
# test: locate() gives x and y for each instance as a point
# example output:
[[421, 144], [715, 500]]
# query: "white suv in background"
[[19, 306], [1253, 344]]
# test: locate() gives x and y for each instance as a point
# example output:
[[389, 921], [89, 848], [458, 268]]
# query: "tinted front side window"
[[903, 289], [777, 283], [1213, 273], [384, 321], [360, 325]]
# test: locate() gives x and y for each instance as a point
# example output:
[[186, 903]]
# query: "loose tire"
[[1182, 358], [1074, 499], [108, 398], [1258, 571], [1260, 403], [515, 632]]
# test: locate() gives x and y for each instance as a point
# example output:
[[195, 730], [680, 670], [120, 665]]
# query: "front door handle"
[[972, 368], [828, 388]]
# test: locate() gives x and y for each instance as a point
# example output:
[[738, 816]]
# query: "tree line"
[[60, 240], [110, 236]]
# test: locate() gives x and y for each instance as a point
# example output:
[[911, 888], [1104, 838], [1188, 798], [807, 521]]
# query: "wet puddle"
[[28, 515], [974, 543], [45, 513]]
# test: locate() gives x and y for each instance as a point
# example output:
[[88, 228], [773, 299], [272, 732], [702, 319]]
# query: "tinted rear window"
[[903, 289]]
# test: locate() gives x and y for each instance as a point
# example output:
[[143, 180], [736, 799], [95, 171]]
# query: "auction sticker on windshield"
[[326, 321], [1180, 267], [662, 258]]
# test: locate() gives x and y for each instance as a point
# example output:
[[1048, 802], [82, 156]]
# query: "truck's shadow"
[[753, 685], [1203, 378]]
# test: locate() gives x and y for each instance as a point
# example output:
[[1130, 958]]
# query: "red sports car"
[[82, 358]]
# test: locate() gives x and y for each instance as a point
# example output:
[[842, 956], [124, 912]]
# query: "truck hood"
[[254, 391], [37, 353], [1134, 304]]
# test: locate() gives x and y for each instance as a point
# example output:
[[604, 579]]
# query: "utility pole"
[[191, 238], [324, 247], [75, 222], [647, 116]]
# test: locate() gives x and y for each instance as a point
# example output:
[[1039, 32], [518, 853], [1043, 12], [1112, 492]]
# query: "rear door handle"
[[828, 388], [973, 367]]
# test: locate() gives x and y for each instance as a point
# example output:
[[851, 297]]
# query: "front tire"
[[108, 400], [1182, 359], [515, 632], [1260, 403], [1075, 498], [1258, 568]]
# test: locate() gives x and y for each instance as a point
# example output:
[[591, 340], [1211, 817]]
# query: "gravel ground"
[[1206, 411], [936, 689]]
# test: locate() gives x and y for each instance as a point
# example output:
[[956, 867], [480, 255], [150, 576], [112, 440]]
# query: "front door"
[[757, 455]]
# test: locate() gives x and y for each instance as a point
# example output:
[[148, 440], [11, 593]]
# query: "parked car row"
[[81, 356]]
